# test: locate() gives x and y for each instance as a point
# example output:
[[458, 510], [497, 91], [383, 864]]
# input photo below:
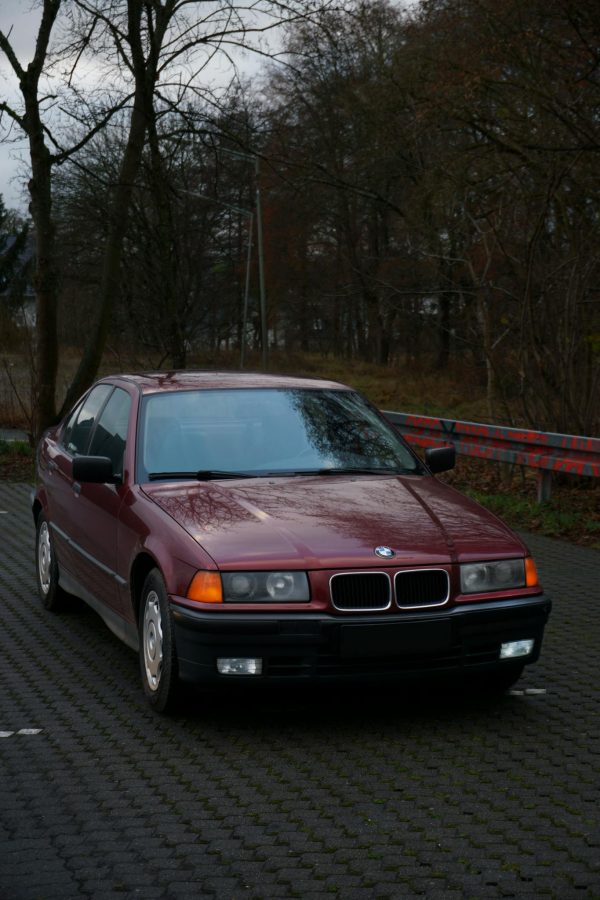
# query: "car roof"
[[153, 382]]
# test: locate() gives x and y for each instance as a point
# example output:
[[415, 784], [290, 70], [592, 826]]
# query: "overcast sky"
[[21, 18]]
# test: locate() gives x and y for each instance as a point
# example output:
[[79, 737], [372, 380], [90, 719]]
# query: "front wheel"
[[158, 656], [51, 594]]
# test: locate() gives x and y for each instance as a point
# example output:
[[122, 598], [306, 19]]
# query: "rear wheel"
[[158, 656], [51, 594]]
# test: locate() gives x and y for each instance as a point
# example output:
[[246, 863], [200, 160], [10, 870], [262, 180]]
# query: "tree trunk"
[[145, 71], [444, 322], [46, 276], [175, 339], [483, 319], [110, 282]]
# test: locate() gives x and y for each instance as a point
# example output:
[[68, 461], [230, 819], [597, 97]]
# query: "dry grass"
[[453, 394], [573, 512], [15, 393]]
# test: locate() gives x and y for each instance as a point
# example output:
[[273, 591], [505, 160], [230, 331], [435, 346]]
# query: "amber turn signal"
[[531, 575], [206, 587]]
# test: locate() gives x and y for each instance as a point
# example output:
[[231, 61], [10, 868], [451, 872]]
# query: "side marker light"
[[206, 587], [531, 575]]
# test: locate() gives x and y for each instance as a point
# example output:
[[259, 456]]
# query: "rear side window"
[[110, 435], [76, 433]]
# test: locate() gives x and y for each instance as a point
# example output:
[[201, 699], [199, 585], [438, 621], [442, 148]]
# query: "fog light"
[[239, 666], [516, 648]]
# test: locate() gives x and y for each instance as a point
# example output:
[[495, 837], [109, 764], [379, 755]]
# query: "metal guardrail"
[[540, 450]]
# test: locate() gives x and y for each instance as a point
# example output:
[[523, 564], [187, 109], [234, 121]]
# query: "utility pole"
[[261, 270], [246, 293], [264, 332]]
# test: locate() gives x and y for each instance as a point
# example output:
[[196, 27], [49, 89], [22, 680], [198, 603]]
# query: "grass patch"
[[15, 448], [571, 514], [546, 518], [17, 461]]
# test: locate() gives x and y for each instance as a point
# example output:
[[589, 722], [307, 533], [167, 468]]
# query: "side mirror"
[[440, 459], [94, 469]]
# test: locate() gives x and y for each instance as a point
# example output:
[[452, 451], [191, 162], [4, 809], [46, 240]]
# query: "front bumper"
[[322, 647]]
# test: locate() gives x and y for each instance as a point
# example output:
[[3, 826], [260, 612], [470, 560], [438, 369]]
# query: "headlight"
[[505, 574], [265, 587]]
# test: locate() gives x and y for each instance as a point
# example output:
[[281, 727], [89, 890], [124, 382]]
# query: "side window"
[[76, 433], [111, 431]]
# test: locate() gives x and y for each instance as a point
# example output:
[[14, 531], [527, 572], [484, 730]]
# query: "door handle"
[[76, 488]]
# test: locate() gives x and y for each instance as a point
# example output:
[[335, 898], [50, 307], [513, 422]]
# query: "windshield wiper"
[[216, 474], [344, 470], [361, 470], [202, 475], [209, 474]]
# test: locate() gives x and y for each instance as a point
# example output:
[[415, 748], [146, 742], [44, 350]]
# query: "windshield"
[[212, 433]]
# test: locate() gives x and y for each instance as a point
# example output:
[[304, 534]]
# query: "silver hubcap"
[[44, 557], [152, 639]]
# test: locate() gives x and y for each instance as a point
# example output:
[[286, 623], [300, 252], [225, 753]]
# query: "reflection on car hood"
[[333, 522]]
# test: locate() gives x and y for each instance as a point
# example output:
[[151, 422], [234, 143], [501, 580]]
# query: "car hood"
[[333, 521]]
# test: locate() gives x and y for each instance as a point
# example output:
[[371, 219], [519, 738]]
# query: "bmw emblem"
[[384, 552]]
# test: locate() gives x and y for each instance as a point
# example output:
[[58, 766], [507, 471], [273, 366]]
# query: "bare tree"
[[518, 98], [153, 53], [338, 124], [30, 120]]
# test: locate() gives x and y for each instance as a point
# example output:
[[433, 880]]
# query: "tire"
[[46, 567], [158, 656]]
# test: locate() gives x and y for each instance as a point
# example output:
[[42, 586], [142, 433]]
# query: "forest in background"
[[430, 194]]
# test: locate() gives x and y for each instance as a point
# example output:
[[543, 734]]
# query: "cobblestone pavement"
[[306, 794]]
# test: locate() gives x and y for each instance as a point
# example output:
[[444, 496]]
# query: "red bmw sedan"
[[255, 528]]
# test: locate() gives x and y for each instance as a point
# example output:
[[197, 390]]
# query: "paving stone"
[[356, 792]]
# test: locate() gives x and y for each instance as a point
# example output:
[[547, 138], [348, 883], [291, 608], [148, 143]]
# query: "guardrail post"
[[544, 485]]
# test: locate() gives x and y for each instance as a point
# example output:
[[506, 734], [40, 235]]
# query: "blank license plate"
[[411, 638]]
